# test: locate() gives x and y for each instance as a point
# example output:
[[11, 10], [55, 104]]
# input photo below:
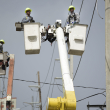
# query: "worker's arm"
[[67, 20], [46, 34], [1, 48], [77, 18], [26, 19]]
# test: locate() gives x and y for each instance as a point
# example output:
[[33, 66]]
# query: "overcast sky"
[[91, 72]]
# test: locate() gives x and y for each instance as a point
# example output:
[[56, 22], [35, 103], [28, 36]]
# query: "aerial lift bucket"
[[77, 37], [32, 38], [3, 59]]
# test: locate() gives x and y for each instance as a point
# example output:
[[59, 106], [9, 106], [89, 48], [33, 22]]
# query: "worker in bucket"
[[28, 18], [73, 18], [49, 35], [1, 51], [1, 45]]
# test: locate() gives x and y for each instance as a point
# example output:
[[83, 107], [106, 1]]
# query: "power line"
[[71, 2], [55, 84], [98, 11], [90, 87], [59, 88], [89, 96], [81, 7], [50, 64], [86, 39], [52, 87], [49, 85], [24, 106]]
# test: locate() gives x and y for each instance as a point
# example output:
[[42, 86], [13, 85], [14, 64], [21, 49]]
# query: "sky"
[[91, 72]]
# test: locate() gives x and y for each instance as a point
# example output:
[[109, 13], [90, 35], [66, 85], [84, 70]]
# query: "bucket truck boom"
[[10, 81]]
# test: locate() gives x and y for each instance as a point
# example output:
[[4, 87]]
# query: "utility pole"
[[107, 51], [40, 101], [39, 104]]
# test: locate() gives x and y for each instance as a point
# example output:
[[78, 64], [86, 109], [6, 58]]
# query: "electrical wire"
[[104, 95], [49, 65], [90, 87], [86, 39], [59, 88], [71, 2], [49, 85], [89, 96], [81, 7], [25, 106], [52, 87], [56, 84], [31, 81], [97, 10]]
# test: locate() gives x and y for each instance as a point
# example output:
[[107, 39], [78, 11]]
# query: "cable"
[[97, 10], [49, 65], [59, 88], [49, 85], [104, 95], [32, 81], [90, 87], [77, 67], [52, 87], [54, 84], [71, 2], [24, 106], [81, 7], [86, 38], [89, 96]]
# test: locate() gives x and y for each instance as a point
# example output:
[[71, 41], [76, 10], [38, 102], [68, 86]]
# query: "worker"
[[1, 45], [8, 105], [28, 18], [73, 17], [1, 51], [49, 36]]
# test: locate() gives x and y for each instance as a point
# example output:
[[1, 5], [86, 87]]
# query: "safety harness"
[[72, 16]]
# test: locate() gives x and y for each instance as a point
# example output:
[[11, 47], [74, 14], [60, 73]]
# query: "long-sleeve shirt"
[[27, 19], [73, 17], [1, 48]]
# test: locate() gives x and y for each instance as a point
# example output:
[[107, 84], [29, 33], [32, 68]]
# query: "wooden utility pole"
[[107, 51], [40, 101]]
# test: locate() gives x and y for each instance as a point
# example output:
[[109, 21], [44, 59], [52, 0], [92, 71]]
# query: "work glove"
[[31, 19]]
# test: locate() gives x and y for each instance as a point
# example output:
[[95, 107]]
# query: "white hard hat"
[[50, 31]]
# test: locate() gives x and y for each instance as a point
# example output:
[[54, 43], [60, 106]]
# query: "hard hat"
[[2, 41], [50, 31], [28, 9], [71, 7], [58, 21]]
